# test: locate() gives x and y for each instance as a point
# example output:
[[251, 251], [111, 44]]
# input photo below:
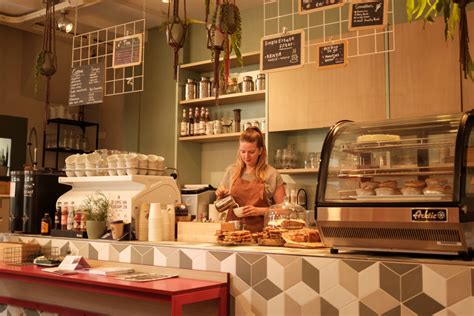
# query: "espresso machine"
[[40, 191]]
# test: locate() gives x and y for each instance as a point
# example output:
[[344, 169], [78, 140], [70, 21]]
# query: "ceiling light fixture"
[[64, 24]]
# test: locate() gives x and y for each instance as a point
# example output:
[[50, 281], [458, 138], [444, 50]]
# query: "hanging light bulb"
[[64, 24]]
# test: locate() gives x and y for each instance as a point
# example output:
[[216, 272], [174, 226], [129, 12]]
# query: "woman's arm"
[[279, 194]]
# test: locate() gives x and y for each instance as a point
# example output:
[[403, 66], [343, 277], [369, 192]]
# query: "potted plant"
[[454, 12], [224, 34], [96, 208]]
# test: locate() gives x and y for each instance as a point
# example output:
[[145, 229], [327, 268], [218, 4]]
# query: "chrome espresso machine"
[[402, 185]]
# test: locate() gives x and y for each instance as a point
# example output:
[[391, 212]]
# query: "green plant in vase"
[[454, 13], [96, 209]]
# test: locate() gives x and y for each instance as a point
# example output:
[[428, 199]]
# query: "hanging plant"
[[454, 12], [224, 34]]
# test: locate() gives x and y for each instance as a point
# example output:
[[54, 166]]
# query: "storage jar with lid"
[[247, 84], [233, 86], [204, 87], [260, 82], [191, 89], [286, 215]]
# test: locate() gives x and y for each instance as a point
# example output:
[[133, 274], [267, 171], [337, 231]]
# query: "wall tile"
[[380, 302], [243, 269], [327, 309], [412, 283], [366, 310], [259, 271], [301, 293], [293, 273], [464, 307], [259, 304], [422, 304], [310, 275], [458, 287], [276, 305], [390, 282], [349, 278]]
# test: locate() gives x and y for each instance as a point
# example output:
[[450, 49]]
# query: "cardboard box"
[[201, 232]]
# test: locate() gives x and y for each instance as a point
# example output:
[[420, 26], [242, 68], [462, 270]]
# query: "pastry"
[[386, 191], [436, 181], [363, 192], [303, 235], [389, 184], [411, 191], [415, 184], [372, 138], [293, 224], [434, 190], [369, 185]]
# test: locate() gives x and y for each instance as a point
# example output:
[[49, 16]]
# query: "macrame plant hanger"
[[176, 30]]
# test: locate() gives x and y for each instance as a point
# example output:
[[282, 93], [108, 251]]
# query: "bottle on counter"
[[57, 217], [184, 125], [83, 227], [70, 217], [77, 220], [190, 123], [64, 214], [46, 224]]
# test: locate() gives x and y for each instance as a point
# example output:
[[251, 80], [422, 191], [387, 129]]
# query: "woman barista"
[[252, 183]]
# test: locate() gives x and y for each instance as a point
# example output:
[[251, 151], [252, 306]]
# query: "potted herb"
[[454, 12], [224, 32], [96, 208]]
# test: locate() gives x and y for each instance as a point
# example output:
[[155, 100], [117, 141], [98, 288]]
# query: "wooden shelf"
[[227, 99], [212, 138], [298, 171], [207, 65]]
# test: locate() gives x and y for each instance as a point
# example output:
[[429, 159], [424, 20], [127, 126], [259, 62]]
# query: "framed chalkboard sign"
[[87, 85], [127, 51], [281, 52], [371, 14], [309, 6], [332, 55]]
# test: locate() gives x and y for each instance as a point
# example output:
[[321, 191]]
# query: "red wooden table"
[[177, 291]]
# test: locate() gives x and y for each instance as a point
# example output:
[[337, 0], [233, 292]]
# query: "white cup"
[[112, 165], [81, 165], [152, 164], [239, 211], [91, 169], [142, 164], [121, 165], [93, 158], [70, 170]]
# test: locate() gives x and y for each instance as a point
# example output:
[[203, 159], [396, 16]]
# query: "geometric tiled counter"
[[287, 281]]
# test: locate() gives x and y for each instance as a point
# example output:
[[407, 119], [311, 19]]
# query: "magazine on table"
[[144, 276]]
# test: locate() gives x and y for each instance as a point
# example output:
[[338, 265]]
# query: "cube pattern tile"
[[277, 284]]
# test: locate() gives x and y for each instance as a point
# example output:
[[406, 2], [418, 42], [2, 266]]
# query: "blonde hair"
[[252, 135]]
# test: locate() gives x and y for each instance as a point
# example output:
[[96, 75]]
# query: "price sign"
[[368, 15], [127, 51], [87, 84], [309, 6], [332, 55], [282, 52]]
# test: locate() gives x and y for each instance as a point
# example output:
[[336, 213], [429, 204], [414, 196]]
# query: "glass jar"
[[285, 215], [204, 88], [233, 86], [247, 84], [191, 90], [260, 82]]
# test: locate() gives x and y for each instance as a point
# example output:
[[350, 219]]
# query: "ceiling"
[[97, 14]]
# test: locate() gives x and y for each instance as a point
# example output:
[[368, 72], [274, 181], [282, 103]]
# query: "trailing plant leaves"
[[410, 9]]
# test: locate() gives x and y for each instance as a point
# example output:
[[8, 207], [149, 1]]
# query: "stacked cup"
[[142, 230], [92, 162], [80, 165], [112, 165], [71, 165], [121, 165], [142, 164], [131, 161], [155, 226], [155, 165]]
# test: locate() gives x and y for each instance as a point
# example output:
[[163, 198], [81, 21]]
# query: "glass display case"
[[399, 185]]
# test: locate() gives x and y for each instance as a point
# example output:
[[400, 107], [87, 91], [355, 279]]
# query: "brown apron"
[[249, 193]]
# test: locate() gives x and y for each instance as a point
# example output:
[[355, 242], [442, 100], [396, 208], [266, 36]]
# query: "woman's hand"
[[250, 210], [222, 192]]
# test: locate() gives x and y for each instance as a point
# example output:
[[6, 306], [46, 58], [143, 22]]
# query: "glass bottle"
[[57, 217], [237, 120], [70, 217], [64, 214], [184, 125], [278, 159], [190, 122], [197, 119], [202, 122], [46, 224]]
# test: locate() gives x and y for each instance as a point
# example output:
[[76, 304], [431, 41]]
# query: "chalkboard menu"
[[87, 85], [308, 6], [368, 15], [127, 51], [331, 55], [280, 52]]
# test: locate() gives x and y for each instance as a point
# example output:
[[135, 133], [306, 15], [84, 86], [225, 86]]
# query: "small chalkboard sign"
[[87, 85], [127, 51], [281, 52], [332, 55], [309, 6], [370, 14]]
